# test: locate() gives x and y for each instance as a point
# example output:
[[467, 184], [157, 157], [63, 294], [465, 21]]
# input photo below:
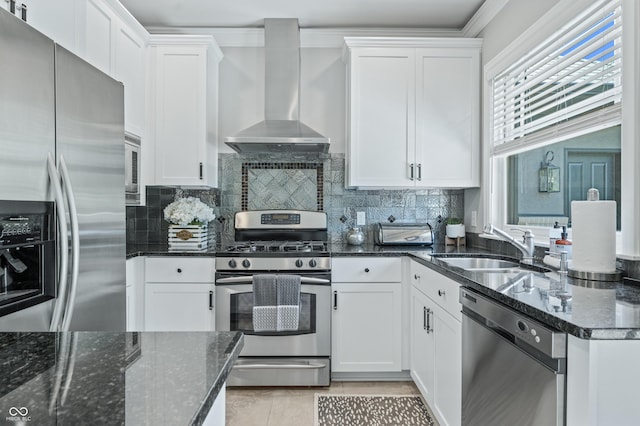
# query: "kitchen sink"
[[470, 263]]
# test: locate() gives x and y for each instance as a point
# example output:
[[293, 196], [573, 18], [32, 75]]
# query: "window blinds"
[[568, 77]]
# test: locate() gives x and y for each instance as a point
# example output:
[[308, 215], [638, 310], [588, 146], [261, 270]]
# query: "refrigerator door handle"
[[75, 244], [61, 292]]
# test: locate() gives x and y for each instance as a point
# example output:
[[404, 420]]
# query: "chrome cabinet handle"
[[411, 171], [416, 277], [419, 171], [424, 317], [441, 293], [201, 171], [429, 329], [335, 300], [211, 300]]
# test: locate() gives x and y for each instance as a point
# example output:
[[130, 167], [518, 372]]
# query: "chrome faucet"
[[526, 247]]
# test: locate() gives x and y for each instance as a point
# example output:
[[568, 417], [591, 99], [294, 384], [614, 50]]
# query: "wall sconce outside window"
[[548, 175]]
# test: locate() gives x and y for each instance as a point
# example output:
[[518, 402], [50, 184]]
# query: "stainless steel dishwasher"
[[513, 367]]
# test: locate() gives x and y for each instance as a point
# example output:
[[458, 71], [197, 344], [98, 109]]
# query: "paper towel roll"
[[594, 236]]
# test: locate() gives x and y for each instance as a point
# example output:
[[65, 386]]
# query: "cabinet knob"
[[366, 269], [416, 277], [179, 270], [441, 293]]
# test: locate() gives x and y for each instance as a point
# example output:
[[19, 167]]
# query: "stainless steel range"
[[278, 242]]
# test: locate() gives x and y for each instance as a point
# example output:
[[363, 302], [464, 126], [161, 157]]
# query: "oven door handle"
[[248, 280], [310, 366]]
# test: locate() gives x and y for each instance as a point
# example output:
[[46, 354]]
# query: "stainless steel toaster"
[[386, 234]]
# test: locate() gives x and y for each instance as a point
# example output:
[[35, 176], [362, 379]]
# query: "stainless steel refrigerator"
[[55, 105]]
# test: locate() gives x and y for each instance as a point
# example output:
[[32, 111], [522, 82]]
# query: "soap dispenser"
[[563, 244], [555, 234]]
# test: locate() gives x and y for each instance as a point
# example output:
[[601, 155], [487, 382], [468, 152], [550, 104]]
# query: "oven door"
[[234, 307]]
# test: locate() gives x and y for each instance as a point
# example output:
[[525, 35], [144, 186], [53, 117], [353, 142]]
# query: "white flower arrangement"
[[188, 211]]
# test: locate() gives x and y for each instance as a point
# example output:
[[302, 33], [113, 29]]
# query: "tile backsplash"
[[260, 181], [264, 182]]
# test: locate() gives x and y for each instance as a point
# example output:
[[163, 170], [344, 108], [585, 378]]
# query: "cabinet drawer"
[[442, 290], [179, 269], [366, 269]]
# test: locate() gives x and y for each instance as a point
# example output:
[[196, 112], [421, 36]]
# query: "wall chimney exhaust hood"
[[281, 131]]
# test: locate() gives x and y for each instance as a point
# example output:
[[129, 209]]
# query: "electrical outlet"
[[360, 219], [474, 218]]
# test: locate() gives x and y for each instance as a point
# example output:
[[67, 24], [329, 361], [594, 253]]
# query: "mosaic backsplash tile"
[[282, 185]]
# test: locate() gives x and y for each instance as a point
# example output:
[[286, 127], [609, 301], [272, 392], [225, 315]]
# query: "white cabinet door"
[[447, 117], [366, 327], [98, 39], [179, 307], [135, 293], [55, 19], [422, 345], [181, 103], [447, 396], [129, 68], [381, 117]]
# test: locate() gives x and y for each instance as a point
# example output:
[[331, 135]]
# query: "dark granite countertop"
[[110, 378], [586, 309]]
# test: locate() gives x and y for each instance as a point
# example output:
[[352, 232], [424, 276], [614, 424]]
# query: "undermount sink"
[[470, 263]]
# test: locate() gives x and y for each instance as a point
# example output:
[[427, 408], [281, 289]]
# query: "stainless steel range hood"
[[281, 131]]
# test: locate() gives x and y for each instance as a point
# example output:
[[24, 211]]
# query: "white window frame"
[[494, 168]]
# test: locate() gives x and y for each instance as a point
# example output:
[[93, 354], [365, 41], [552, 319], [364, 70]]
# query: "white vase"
[[455, 231], [188, 237]]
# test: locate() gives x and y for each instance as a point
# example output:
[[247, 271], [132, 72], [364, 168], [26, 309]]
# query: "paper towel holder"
[[548, 174], [594, 195]]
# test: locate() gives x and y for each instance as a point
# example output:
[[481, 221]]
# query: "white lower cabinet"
[[436, 344], [179, 294], [366, 327], [135, 294], [366, 330]]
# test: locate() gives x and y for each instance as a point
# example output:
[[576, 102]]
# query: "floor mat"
[[371, 410]]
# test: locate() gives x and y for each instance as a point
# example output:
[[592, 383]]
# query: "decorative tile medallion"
[[282, 186]]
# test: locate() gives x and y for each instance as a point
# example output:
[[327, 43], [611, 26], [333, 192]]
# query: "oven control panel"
[[280, 219], [273, 264]]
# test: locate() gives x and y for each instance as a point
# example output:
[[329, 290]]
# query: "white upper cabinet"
[[106, 35], [58, 20], [183, 100], [413, 112], [115, 43]]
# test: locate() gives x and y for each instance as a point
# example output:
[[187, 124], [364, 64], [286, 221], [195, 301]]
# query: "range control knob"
[[232, 263], [523, 326], [313, 263], [299, 263], [246, 263]]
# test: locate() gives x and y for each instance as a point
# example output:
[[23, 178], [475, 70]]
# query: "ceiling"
[[437, 14]]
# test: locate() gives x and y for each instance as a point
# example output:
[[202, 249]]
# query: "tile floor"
[[295, 406]]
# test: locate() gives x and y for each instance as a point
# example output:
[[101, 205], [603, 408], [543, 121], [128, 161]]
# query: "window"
[[556, 121]]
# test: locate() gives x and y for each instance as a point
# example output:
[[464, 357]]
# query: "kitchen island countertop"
[[114, 378]]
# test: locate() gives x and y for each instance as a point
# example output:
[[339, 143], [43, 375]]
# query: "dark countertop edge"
[[235, 346], [414, 252]]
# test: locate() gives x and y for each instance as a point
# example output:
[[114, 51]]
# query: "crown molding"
[[309, 37], [484, 15]]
